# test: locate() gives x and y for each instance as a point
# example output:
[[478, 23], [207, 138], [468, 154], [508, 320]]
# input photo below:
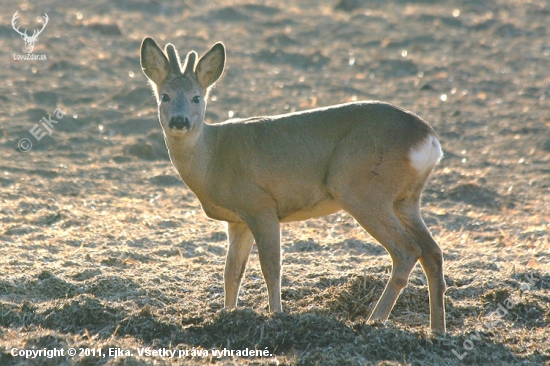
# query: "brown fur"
[[255, 173]]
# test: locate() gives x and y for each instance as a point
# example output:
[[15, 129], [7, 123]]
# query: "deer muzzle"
[[179, 123]]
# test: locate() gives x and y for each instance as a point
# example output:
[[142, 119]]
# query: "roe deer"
[[370, 159]]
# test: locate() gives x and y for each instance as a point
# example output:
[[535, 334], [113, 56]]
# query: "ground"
[[102, 246]]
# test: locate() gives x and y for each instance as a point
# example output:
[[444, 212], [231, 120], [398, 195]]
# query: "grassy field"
[[103, 250]]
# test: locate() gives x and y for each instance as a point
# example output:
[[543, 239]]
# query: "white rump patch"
[[424, 156]]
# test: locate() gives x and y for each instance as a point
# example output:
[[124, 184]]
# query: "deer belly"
[[320, 209]]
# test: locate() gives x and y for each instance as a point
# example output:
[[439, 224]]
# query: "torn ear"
[[210, 66], [154, 63]]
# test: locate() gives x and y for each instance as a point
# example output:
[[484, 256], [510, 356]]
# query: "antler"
[[45, 16], [13, 20], [35, 32]]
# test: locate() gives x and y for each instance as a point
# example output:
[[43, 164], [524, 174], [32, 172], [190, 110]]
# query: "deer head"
[[29, 40], [181, 95]]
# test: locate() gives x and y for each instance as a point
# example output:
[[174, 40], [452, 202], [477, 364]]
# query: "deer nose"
[[179, 123]]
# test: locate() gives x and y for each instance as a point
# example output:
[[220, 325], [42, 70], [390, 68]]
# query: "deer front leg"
[[240, 243], [266, 230]]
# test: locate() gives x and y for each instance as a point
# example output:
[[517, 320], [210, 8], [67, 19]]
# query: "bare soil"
[[102, 246]]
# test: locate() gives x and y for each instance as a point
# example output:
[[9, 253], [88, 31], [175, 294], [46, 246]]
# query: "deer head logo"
[[29, 40]]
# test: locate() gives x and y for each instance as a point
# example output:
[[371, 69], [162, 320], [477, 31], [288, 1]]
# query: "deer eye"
[[164, 98], [196, 99]]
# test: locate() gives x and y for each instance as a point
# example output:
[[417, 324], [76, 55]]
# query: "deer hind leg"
[[431, 259], [240, 244], [380, 221]]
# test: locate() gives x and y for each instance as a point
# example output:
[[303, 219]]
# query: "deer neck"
[[191, 156]]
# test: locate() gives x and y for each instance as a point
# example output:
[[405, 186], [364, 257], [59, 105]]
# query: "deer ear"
[[210, 66], [154, 63]]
